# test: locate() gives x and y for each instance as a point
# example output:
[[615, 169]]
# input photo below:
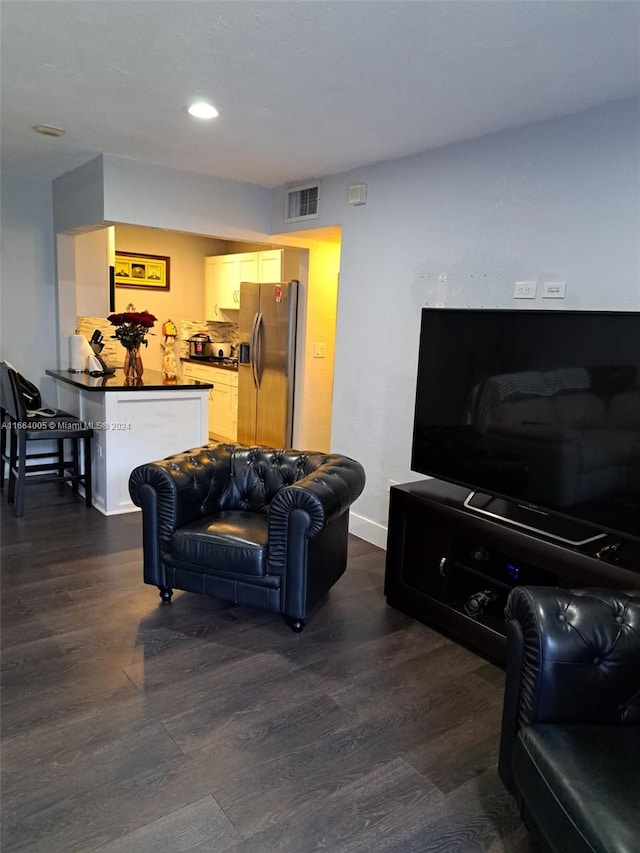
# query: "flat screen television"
[[536, 413]]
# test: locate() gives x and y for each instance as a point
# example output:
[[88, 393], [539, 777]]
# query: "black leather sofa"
[[570, 743], [257, 526]]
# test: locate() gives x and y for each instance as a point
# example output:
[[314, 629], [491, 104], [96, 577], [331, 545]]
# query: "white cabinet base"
[[132, 428]]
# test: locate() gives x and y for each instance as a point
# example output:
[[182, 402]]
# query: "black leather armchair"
[[257, 526], [570, 744]]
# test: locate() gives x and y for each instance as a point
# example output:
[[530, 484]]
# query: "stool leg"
[[22, 472], [61, 457], [3, 446], [87, 470], [75, 467], [13, 455]]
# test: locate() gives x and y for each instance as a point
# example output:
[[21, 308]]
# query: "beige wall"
[[185, 297], [314, 380]]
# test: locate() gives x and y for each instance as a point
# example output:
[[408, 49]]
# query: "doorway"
[[315, 350]]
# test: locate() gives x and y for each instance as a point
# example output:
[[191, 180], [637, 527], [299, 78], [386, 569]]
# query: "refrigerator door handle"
[[258, 351], [253, 349]]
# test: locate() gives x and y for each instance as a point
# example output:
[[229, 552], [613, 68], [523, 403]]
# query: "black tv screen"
[[538, 408]]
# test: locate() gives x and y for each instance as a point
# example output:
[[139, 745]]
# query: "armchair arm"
[[323, 494], [573, 656], [171, 493], [303, 510]]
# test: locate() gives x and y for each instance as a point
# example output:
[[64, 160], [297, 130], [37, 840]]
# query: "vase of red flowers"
[[133, 368], [132, 328]]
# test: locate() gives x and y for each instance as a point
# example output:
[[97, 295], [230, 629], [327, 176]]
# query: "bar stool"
[[24, 429]]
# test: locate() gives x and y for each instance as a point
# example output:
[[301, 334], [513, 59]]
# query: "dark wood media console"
[[441, 554]]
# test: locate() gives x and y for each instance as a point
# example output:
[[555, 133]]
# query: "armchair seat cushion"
[[581, 782], [232, 541]]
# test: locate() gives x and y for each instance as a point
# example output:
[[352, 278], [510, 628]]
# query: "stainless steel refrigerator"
[[266, 362]]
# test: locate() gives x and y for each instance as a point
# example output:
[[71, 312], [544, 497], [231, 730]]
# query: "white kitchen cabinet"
[[220, 414], [269, 265], [222, 291], [224, 273], [234, 410], [223, 398], [247, 269]]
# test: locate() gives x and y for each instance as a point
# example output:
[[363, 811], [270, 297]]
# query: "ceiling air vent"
[[302, 202]]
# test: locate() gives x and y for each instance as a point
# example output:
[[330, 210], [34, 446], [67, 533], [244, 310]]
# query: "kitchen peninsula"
[[133, 424]]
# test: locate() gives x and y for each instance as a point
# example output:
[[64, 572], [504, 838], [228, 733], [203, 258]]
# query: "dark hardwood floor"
[[131, 727]]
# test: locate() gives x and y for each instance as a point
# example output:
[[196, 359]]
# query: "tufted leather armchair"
[[257, 526], [570, 743]]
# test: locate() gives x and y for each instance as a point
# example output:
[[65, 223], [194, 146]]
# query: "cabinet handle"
[[443, 566]]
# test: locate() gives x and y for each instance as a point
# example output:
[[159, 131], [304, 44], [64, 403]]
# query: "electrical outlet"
[[525, 289], [320, 350]]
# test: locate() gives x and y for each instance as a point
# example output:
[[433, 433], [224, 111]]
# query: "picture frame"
[[142, 272]]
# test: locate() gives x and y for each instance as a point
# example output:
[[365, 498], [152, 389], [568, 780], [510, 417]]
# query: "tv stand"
[[533, 520], [453, 567]]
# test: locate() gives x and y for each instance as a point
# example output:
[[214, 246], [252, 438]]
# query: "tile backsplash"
[[223, 332], [114, 354]]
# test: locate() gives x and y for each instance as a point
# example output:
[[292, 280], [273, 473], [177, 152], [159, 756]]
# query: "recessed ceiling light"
[[49, 130], [202, 110]]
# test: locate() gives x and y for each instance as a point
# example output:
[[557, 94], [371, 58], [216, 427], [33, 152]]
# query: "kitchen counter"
[[132, 424], [152, 380]]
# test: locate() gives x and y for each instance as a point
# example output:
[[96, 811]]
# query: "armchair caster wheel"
[[165, 594], [296, 625]]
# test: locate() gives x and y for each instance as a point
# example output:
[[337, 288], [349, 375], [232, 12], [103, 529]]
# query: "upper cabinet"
[[269, 266], [223, 274]]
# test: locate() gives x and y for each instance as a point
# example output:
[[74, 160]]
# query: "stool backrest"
[[13, 401]]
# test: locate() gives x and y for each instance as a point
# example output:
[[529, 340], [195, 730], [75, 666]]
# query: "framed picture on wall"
[[148, 272]]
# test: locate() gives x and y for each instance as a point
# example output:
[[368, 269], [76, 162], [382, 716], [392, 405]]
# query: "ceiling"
[[304, 88]]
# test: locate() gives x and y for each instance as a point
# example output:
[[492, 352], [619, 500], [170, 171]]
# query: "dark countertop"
[[152, 380], [212, 363]]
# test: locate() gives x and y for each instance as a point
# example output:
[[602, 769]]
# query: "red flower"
[[131, 327], [137, 318]]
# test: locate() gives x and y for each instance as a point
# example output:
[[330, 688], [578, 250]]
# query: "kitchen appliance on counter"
[[266, 362], [214, 361], [201, 346]]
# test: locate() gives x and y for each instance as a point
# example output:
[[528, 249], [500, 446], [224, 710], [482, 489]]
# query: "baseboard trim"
[[368, 530]]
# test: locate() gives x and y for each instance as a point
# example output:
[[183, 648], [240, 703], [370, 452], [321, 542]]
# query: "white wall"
[[142, 194], [557, 199], [78, 197], [92, 254], [28, 283]]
